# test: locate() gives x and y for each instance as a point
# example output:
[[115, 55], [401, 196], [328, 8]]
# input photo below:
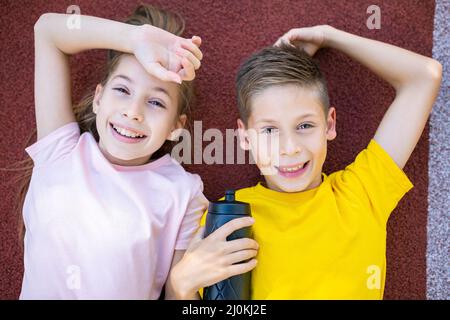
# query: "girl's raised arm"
[[160, 52]]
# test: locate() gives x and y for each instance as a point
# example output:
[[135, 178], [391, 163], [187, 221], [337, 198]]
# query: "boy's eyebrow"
[[306, 115], [159, 89]]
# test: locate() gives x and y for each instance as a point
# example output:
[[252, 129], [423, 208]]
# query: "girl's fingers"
[[185, 53], [162, 73], [187, 73], [190, 46], [240, 268], [197, 40], [228, 228], [241, 244], [199, 234], [240, 256]]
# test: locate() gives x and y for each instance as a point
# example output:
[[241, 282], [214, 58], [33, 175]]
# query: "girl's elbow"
[[42, 23]]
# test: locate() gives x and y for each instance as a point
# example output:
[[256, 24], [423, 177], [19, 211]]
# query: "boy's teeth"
[[127, 133], [291, 169]]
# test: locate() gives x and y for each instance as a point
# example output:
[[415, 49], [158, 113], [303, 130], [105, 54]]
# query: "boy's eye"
[[268, 130], [121, 90], [156, 103], [305, 126]]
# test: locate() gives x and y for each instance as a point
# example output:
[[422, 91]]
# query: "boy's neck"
[[314, 184]]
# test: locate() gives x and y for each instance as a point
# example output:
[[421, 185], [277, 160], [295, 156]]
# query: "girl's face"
[[136, 113]]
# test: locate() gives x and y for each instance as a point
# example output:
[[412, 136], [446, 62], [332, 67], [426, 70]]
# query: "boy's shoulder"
[[245, 193]]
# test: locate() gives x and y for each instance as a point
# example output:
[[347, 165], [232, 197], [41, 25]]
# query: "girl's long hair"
[[86, 118]]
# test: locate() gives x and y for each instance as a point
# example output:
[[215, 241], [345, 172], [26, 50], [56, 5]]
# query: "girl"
[[108, 212]]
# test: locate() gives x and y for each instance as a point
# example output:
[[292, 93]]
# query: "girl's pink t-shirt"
[[95, 230]]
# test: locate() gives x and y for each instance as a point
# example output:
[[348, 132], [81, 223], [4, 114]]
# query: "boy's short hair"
[[273, 66]]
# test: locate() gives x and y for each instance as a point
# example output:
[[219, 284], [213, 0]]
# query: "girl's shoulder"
[[177, 172], [55, 145]]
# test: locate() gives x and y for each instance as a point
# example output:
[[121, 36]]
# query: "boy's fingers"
[[284, 40], [190, 56], [190, 46], [187, 73], [241, 244], [157, 70], [240, 268], [228, 228]]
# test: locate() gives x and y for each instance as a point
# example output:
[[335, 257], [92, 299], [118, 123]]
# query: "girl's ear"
[[178, 128], [97, 96], [331, 124], [243, 135]]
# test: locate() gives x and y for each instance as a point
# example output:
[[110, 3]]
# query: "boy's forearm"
[[395, 65], [93, 33]]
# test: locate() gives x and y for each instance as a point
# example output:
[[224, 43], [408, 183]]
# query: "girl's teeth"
[[127, 133]]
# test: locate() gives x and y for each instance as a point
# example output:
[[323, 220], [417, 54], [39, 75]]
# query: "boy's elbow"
[[434, 71]]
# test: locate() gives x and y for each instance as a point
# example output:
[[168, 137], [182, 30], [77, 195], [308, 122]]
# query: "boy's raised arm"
[[415, 78]]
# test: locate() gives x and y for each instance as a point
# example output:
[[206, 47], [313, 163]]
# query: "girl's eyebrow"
[[159, 89], [122, 77]]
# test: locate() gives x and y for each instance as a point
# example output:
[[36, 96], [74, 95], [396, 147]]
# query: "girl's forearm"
[[94, 33], [174, 290], [395, 65]]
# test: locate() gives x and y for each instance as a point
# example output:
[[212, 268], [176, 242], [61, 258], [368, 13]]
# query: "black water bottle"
[[219, 213]]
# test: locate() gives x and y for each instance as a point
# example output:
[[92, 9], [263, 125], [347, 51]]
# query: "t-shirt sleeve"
[[55, 145], [375, 180], [191, 220]]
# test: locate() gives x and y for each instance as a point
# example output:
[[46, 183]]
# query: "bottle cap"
[[229, 206]]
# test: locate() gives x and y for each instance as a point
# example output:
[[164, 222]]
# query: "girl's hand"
[[213, 259], [165, 55], [309, 39]]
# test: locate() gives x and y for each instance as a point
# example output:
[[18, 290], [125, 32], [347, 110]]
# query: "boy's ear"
[[178, 128], [331, 124], [97, 96], [243, 135]]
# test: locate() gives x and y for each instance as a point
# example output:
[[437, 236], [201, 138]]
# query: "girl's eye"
[[305, 126], [121, 90], [156, 103], [268, 130]]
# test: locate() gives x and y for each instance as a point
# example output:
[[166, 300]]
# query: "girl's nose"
[[134, 112]]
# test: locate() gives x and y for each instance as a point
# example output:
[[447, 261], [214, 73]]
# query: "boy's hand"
[[213, 259], [165, 55], [309, 39]]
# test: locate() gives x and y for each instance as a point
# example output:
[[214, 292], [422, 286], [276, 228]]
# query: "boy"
[[319, 236]]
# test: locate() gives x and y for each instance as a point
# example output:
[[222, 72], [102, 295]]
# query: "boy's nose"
[[288, 146]]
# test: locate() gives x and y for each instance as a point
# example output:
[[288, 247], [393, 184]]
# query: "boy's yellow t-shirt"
[[328, 242]]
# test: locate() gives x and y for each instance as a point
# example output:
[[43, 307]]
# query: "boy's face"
[[134, 99], [287, 134]]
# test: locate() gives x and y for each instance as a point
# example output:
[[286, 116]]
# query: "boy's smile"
[[287, 134]]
